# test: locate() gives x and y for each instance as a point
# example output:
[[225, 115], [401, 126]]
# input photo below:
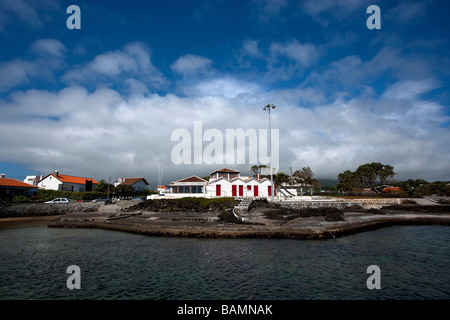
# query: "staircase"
[[243, 207], [245, 204]]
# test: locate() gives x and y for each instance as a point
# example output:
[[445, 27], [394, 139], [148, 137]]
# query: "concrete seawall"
[[341, 204], [9, 210]]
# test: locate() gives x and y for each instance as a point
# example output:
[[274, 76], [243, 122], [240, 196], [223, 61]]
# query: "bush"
[[20, 199], [46, 195]]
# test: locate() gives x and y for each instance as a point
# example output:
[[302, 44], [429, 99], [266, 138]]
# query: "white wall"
[[50, 183]]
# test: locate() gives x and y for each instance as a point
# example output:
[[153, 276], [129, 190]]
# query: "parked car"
[[138, 198], [105, 200], [58, 200]]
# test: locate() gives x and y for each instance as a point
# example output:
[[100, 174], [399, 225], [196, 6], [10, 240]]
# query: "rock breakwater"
[[10, 210]]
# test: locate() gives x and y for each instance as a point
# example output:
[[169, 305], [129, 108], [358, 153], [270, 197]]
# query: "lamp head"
[[269, 106]]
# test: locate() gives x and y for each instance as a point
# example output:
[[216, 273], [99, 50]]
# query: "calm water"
[[414, 263]]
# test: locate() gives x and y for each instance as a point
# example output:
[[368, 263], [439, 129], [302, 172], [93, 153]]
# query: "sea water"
[[413, 263]]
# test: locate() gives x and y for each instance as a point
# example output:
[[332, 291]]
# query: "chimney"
[[2, 175], [56, 173]]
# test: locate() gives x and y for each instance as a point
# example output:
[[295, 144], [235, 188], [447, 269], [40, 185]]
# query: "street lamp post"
[[269, 107]]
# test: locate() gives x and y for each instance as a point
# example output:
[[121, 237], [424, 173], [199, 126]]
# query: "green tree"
[[303, 176], [254, 169], [348, 181], [123, 190], [281, 178], [102, 186], [373, 174]]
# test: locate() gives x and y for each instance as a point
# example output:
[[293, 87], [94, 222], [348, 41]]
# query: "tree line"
[[374, 177]]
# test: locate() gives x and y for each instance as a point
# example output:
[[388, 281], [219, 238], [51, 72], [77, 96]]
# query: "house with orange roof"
[[12, 187], [63, 182], [138, 184]]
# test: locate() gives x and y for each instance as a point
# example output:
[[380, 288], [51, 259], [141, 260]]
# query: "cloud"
[[16, 72], [406, 12], [25, 12], [190, 64], [268, 9], [227, 87], [292, 58], [47, 57], [103, 133], [48, 47], [340, 10], [304, 54], [132, 61]]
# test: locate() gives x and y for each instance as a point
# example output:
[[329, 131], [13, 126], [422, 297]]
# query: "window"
[[249, 187]]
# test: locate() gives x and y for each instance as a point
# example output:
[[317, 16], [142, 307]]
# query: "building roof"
[[8, 182], [226, 170], [191, 179], [71, 179], [131, 181]]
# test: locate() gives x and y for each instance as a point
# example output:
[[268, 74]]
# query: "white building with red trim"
[[222, 183]]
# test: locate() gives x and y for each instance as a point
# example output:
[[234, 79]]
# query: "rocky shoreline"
[[226, 219], [266, 220]]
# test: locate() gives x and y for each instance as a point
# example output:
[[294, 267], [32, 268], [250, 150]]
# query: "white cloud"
[[190, 64], [132, 61], [406, 12], [15, 72], [48, 47], [303, 54], [268, 9], [102, 133], [48, 56], [227, 87]]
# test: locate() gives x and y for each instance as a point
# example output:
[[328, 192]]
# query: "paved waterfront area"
[[258, 222]]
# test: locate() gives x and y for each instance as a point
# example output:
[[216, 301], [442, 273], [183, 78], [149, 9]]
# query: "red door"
[[269, 191], [233, 190], [218, 190], [241, 191], [255, 191]]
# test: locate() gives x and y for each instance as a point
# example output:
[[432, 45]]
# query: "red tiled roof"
[[71, 179], [131, 181], [226, 170], [192, 179], [8, 182]]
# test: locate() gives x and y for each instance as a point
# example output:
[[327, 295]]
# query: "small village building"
[[138, 184], [190, 186], [34, 180], [60, 182], [222, 183], [224, 173], [12, 187]]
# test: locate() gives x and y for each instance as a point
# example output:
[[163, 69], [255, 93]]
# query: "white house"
[[222, 183], [57, 181], [192, 186], [138, 184], [33, 180]]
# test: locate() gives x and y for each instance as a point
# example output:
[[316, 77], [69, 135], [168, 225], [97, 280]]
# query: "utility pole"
[[269, 107], [109, 182], [292, 179]]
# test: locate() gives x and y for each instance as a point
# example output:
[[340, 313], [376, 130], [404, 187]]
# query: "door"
[[218, 190], [241, 191], [255, 191], [233, 190], [269, 191]]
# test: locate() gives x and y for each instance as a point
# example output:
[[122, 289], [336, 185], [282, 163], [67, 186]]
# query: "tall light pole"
[[269, 107]]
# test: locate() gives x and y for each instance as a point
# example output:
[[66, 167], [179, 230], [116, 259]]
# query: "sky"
[[104, 100]]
